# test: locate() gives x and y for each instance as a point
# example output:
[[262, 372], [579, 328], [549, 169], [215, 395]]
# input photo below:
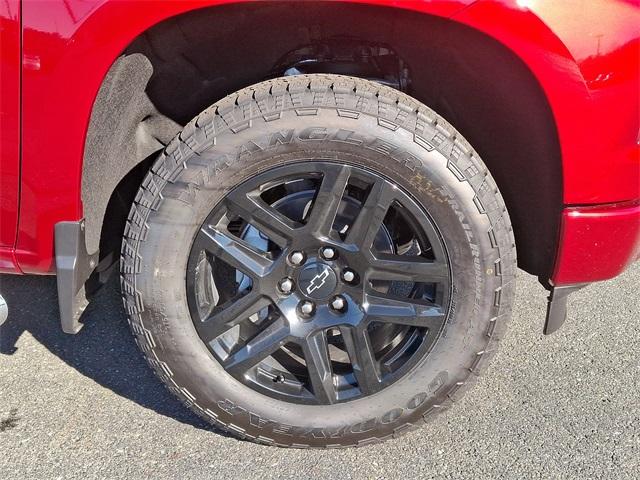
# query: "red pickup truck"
[[314, 206]]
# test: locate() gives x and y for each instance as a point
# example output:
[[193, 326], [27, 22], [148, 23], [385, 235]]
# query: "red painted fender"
[[70, 45]]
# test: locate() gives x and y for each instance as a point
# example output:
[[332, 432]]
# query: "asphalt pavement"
[[87, 406]]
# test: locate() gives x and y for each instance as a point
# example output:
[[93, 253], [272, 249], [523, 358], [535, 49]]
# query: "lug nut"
[[296, 258], [328, 253], [307, 308], [348, 276], [285, 285], [338, 304]]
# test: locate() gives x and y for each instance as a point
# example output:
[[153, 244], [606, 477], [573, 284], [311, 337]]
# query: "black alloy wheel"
[[318, 282]]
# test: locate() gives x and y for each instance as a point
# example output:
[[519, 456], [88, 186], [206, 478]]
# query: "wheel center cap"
[[317, 280]]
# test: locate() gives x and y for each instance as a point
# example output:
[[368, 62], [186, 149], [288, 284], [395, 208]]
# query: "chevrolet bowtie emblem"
[[317, 281]]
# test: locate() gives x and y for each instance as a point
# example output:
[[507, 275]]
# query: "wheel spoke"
[[365, 368], [403, 311], [363, 231], [231, 315], [327, 201], [316, 355], [402, 267], [265, 218], [258, 348], [235, 252]]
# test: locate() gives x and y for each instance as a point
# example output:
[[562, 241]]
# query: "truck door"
[[10, 65]]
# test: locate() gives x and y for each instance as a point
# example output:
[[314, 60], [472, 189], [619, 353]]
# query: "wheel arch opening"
[[177, 68]]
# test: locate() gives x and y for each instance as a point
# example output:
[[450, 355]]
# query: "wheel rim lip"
[[302, 168]]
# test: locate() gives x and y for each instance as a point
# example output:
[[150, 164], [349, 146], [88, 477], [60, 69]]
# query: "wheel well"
[[195, 59]]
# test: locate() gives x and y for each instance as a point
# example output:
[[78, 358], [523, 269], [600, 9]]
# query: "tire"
[[367, 128]]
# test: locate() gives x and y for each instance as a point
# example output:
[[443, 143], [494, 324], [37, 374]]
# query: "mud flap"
[[557, 307], [73, 268]]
